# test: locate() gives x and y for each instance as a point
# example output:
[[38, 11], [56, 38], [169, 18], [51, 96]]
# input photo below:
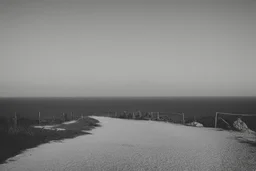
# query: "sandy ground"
[[127, 145]]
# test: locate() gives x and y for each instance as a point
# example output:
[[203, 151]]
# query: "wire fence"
[[224, 119]]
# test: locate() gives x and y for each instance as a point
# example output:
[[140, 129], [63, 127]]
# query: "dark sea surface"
[[191, 106]]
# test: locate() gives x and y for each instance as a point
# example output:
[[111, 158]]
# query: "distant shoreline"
[[118, 97]]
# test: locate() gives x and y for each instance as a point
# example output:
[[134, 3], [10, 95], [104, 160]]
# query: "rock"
[[196, 124], [240, 125]]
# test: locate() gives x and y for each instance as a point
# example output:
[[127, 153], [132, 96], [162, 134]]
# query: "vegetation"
[[207, 121], [16, 139]]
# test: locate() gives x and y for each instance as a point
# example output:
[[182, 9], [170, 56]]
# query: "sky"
[[127, 48]]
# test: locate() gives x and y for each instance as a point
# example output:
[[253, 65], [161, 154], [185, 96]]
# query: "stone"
[[196, 124], [240, 125]]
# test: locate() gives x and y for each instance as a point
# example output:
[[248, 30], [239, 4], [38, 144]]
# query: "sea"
[[190, 106]]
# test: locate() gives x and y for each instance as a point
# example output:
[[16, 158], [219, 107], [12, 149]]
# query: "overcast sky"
[[127, 48]]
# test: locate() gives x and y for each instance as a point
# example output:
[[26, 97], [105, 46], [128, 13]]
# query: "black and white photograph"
[[127, 85]]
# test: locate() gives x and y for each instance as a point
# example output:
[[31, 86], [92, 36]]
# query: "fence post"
[[53, 119], [216, 119], [183, 118], [15, 120], [39, 118]]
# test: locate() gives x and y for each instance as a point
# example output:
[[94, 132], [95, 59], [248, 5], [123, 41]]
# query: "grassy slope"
[[25, 137]]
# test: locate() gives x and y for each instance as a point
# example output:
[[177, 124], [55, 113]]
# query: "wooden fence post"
[[15, 121], [39, 118], [183, 118], [216, 119]]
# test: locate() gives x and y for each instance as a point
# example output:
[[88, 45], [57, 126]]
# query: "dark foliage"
[[15, 140]]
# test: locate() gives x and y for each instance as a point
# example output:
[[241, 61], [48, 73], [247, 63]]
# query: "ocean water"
[[128, 145], [191, 106]]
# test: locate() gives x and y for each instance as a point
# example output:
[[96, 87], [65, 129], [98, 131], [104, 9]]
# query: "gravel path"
[[143, 145]]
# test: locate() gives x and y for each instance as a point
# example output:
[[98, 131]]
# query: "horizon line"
[[4, 97]]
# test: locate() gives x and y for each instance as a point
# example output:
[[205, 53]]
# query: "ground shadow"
[[246, 141]]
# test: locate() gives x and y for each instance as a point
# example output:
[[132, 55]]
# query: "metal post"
[[216, 119]]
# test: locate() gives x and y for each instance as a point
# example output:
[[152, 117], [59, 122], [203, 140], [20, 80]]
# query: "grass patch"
[[15, 140]]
